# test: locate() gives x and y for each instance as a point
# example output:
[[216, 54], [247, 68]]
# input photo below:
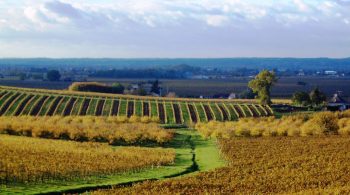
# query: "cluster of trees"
[[314, 98], [115, 88], [53, 75], [171, 72]]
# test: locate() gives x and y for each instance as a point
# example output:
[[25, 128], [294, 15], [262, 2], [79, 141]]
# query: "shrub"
[[344, 126], [321, 123], [96, 87]]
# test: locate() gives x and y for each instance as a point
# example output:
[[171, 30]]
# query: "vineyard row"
[[17, 103]]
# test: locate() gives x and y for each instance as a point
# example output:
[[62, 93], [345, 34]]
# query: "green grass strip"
[[107, 107], [138, 108], [10, 111], [246, 110], [46, 106], [170, 117], [154, 109], [62, 106], [30, 105], [201, 112], [207, 153], [230, 109], [122, 107], [77, 106], [5, 97], [216, 112], [185, 114], [92, 107]]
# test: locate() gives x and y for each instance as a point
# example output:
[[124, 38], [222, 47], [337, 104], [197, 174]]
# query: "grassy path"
[[193, 154]]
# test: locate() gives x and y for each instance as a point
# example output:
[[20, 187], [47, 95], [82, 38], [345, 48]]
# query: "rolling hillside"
[[38, 102]]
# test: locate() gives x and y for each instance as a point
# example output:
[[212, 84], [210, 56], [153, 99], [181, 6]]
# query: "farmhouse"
[[338, 103]]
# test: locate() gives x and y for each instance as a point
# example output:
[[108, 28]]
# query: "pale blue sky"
[[174, 28]]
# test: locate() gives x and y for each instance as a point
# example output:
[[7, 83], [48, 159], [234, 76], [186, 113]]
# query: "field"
[[112, 130], [35, 102], [317, 124], [191, 155], [266, 165], [285, 87], [32, 160], [72, 142]]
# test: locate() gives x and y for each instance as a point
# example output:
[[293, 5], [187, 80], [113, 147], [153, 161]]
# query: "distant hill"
[[223, 63]]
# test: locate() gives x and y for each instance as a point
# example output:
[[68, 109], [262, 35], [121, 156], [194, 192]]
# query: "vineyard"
[[32, 160], [36, 102], [265, 165], [113, 130]]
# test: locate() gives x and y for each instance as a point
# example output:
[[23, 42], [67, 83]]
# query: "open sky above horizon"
[[174, 28]]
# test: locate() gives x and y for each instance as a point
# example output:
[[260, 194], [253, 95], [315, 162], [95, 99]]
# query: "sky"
[[174, 28]]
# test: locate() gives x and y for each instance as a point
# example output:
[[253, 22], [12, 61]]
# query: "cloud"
[[216, 20], [301, 5], [179, 26], [63, 9], [153, 13]]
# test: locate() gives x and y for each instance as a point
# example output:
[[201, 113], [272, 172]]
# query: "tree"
[[301, 98], [155, 87], [118, 88], [247, 94], [140, 92], [53, 75], [262, 84], [22, 76], [317, 97]]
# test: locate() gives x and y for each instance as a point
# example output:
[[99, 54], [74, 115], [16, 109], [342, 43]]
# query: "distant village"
[[173, 72]]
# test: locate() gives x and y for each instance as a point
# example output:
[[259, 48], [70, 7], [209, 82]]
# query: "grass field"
[[36, 102]]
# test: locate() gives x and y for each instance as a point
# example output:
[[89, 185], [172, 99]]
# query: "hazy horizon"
[[174, 29]]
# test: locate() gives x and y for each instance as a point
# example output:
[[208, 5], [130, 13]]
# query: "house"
[[338, 103], [232, 96], [330, 72], [141, 85]]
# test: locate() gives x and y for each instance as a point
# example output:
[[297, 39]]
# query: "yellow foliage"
[[115, 130], [283, 165], [323, 123], [26, 160]]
